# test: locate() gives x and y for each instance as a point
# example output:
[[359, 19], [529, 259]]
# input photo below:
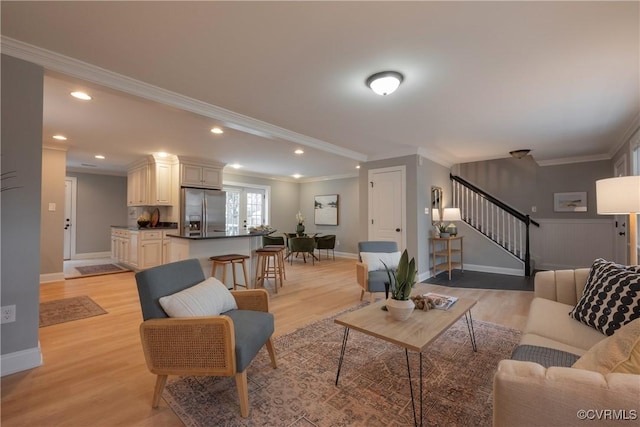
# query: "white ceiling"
[[481, 79]]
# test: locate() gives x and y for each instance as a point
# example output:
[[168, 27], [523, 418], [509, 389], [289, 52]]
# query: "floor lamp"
[[621, 196]]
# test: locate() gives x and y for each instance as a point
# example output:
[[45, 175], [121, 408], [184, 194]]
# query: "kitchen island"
[[201, 247]]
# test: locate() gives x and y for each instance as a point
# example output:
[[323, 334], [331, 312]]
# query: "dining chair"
[[327, 242], [303, 245]]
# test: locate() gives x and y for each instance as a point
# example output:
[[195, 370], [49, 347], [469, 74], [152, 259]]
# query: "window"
[[246, 207]]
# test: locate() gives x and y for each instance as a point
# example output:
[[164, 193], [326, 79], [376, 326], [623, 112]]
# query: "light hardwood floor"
[[94, 372]]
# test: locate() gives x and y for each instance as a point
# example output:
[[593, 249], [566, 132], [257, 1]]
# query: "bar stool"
[[268, 266], [281, 257], [232, 260]]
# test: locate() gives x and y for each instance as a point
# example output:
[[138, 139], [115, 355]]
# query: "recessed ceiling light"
[[60, 137], [163, 154], [299, 151], [81, 95], [217, 130], [358, 167], [296, 175], [99, 156], [236, 166]]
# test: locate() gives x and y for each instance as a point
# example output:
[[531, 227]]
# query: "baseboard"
[[20, 361], [52, 277], [91, 255], [496, 270], [344, 255]]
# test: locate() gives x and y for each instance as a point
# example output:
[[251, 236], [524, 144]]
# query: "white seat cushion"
[[551, 320], [375, 260]]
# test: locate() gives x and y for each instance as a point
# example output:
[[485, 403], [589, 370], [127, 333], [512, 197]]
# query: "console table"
[[442, 247]]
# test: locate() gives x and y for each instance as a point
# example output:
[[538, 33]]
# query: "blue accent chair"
[[221, 345], [373, 281]]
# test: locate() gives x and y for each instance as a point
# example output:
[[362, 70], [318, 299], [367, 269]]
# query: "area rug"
[[373, 388], [68, 309], [94, 270]]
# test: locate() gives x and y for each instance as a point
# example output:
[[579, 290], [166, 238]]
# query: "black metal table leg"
[[472, 333], [342, 350], [413, 403]]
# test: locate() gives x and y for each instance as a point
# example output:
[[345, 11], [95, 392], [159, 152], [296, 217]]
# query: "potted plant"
[[442, 230], [402, 280]]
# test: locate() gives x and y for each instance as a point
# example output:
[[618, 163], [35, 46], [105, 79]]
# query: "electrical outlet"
[[337, 242], [8, 314]]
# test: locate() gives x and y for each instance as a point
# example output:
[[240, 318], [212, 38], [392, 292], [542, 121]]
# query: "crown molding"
[[626, 136], [569, 160], [79, 69]]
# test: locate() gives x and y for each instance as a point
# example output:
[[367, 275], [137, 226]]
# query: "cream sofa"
[[526, 393]]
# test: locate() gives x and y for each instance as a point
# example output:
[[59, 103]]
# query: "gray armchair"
[[221, 345], [373, 281]]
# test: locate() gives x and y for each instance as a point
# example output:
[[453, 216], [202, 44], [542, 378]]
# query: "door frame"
[[73, 212], [403, 201]]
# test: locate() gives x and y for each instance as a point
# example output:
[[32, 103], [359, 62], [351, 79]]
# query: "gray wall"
[[347, 229], [523, 184], [421, 175], [21, 152], [101, 203]]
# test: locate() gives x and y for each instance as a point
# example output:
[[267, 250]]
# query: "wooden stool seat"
[[230, 259], [265, 269], [281, 257]]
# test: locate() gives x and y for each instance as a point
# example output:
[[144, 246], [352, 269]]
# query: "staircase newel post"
[[527, 254]]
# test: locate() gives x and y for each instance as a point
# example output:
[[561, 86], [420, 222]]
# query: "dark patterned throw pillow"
[[611, 296]]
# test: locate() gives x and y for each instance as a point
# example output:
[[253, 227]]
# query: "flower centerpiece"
[[300, 227], [402, 280]]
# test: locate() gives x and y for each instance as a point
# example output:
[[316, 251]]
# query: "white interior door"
[[70, 184], [620, 246], [387, 211]]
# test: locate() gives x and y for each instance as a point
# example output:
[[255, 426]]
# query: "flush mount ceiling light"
[[385, 82], [217, 130], [81, 95], [299, 151], [296, 176], [518, 154], [60, 137], [236, 166], [99, 156]]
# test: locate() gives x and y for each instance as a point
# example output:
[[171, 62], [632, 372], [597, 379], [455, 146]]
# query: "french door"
[[246, 207]]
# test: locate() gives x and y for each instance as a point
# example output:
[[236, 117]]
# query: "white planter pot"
[[400, 310]]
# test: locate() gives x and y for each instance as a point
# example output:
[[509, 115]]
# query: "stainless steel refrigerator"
[[202, 211]]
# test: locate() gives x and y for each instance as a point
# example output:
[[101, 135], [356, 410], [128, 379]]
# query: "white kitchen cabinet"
[[137, 185], [150, 182], [201, 174], [120, 245], [133, 249], [166, 246]]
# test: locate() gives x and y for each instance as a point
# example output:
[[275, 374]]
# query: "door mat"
[[96, 270], [68, 309], [373, 389]]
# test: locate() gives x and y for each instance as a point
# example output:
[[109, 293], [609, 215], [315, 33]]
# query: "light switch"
[[426, 211], [534, 209], [52, 207]]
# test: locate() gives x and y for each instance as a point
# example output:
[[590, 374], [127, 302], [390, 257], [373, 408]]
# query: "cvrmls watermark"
[[607, 414]]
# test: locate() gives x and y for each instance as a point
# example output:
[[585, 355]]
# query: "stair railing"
[[498, 221]]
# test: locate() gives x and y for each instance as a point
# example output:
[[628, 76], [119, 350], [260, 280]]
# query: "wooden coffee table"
[[413, 334]]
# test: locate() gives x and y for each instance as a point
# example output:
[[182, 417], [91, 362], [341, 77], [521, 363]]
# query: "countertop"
[[218, 235], [130, 228]]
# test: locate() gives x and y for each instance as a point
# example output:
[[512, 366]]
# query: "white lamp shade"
[[617, 196], [451, 214]]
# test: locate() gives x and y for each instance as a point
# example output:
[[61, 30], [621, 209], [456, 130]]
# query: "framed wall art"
[[570, 202], [325, 209]]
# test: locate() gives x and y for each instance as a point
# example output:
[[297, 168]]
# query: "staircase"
[[493, 218]]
